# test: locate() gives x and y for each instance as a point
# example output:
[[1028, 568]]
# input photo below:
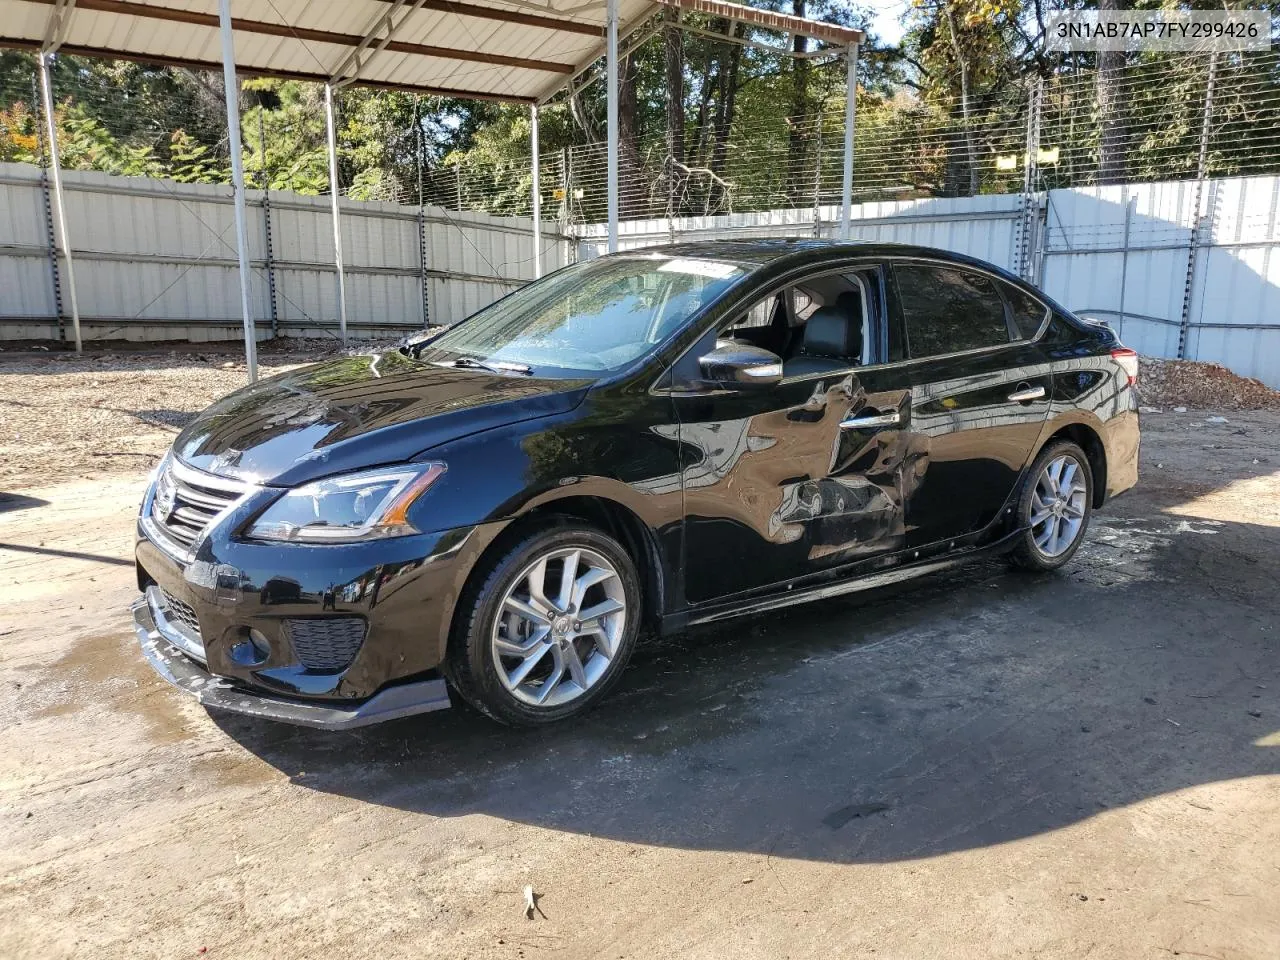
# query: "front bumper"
[[163, 646]]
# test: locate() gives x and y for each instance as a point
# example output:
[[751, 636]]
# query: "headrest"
[[836, 329]]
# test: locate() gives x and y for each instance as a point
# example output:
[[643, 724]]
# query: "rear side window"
[[948, 310], [1028, 312]]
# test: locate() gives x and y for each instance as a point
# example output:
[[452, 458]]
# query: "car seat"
[[832, 337]]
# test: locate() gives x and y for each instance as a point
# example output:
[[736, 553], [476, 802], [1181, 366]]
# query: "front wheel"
[[1054, 508], [549, 629]]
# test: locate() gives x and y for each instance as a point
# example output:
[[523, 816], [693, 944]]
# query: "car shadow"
[[964, 710], [160, 416], [13, 502]]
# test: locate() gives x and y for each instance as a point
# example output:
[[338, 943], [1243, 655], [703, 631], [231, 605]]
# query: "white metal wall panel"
[[979, 226], [164, 252], [1234, 312], [26, 281], [1083, 260], [1237, 280], [473, 259], [156, 259]]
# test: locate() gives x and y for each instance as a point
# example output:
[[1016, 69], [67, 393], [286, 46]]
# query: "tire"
[[502, 623], [1049, 543]]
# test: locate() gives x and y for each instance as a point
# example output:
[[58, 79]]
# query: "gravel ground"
[[112, 413]]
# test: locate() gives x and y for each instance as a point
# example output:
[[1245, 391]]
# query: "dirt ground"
[[979, 765], [64, 417]]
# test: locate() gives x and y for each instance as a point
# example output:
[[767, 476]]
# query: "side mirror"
[[741, 365]]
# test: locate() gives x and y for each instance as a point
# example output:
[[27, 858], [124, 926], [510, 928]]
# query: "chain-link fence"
[[1166, 117], [1162, 117]]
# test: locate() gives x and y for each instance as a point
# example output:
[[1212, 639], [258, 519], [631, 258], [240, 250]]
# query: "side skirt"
[[787, 597]]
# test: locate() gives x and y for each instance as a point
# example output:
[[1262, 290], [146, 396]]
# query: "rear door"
[[979, 391]]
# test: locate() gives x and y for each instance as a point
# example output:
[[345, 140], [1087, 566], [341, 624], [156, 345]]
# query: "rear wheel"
[[1054, 508], [549, 629]]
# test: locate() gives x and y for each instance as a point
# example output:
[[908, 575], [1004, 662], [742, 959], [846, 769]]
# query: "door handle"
[[871, 420], [1026, 394]]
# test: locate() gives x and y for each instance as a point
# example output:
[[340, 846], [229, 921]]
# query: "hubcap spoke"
[[553, 679], [586, 582], [568, 576], [525, 648], [600, 636], [602, 609], [574, 663], [517, 675], [526, 610], [538, 584], [1066, 477]]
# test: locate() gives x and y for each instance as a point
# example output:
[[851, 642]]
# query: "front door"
[[793, 480]]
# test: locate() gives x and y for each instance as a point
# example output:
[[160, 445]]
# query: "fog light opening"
[[253, 651]]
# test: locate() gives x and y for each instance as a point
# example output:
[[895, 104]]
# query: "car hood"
[[359, 412]]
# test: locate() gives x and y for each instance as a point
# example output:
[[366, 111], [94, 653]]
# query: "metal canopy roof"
[[515, 50], [523, 51]]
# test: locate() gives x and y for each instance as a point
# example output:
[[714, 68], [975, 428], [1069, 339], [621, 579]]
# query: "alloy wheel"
[[1058, 506], [559, 626]]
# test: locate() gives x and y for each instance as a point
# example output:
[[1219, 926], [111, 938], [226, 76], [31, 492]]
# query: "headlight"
[[359, 506]]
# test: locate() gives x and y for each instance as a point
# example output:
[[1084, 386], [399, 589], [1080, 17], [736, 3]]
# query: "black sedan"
[[633, 444]]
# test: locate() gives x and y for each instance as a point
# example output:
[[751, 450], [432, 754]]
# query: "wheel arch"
[[599, 512], [1089, 440]]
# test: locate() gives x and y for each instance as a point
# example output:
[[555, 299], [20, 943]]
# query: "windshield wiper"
[[493, 366]]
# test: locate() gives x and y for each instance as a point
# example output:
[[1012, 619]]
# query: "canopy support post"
[[537, 193], [850, 118], [231, 90], [334, 194], [59, 198], [611, 69]]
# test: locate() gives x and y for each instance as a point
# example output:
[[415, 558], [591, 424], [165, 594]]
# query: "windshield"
[[589, 319]]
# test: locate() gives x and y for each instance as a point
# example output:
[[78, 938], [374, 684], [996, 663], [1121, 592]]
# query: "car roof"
[[762, 250], [786, 252]]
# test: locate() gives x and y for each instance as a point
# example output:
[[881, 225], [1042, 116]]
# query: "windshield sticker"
[[700, 268]]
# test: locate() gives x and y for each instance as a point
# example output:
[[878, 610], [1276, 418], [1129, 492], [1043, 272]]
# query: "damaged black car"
[[631, 445]]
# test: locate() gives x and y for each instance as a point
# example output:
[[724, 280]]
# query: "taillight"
[[1128, 361]]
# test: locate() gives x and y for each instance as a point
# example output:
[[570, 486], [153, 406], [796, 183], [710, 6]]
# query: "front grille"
[[328, 644], [187, 500], [181, 613]]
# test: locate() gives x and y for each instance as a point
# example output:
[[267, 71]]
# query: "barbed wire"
[[904, 147]]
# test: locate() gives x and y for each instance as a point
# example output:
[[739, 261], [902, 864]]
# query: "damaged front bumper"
[[167, 649]]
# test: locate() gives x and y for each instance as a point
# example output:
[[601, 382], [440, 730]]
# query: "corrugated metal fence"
[[985, 226], [1190, 268], [1186, 268], [156, 260]]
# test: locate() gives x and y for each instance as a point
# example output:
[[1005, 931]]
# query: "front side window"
[[819, 324], [587, 320], [949, 310], [848, 297]]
